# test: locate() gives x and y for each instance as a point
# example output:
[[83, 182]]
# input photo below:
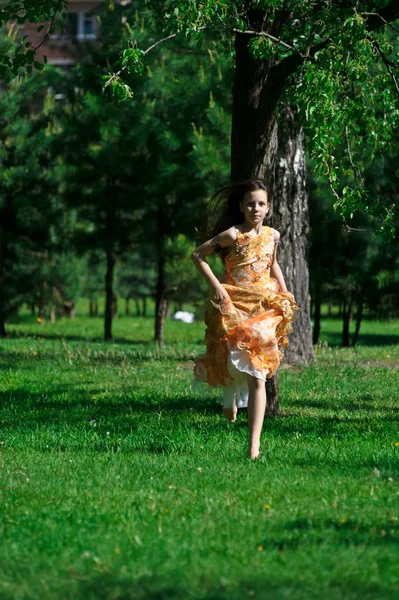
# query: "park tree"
[[318, 66], [30, 212], [355, 269], [129, 170]]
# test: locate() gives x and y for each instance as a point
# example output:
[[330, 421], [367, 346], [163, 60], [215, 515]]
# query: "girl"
[[249, 315]]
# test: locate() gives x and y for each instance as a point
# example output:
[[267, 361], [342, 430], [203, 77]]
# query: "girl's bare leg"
[[230, 413], [229, 403], [256, 413]]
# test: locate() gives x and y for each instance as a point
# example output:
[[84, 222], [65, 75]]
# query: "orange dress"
[[246, 333]]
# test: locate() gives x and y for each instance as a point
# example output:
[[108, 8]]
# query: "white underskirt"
[[239, 367]]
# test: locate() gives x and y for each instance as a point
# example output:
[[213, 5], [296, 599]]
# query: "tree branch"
[[368, 14], [390, 12], [50, 29], [165, 39], [387, 63], [385, 15], [272, 38]]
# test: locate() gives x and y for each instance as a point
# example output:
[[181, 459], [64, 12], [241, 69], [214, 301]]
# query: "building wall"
[[81, 27]]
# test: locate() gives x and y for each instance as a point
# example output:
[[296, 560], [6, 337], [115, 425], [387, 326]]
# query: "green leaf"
[[30, 56]]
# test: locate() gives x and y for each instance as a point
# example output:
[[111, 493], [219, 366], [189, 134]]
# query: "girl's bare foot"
[[254, 453], [230, 413]]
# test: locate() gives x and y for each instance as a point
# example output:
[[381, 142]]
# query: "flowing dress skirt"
[[245, 335]]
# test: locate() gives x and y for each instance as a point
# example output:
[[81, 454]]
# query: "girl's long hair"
[[224, 206]]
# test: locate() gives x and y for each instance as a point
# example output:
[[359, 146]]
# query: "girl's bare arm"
[[275, 270], [222, 240]]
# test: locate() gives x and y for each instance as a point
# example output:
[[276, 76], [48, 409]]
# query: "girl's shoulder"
[[276, 235], [226, 238], [230, 233]]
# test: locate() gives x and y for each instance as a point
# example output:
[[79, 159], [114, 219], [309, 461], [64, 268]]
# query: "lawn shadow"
[[353, 406], [76, 338], [177, 586], [342, 532], [142, 352], [365, 339], [48, 411]]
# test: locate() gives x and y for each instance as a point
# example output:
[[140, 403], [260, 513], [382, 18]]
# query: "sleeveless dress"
[[246, 332]]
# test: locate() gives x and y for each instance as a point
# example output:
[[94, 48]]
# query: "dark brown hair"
[[224, 206]]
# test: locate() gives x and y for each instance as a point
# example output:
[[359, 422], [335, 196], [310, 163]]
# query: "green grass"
[[117, 483]]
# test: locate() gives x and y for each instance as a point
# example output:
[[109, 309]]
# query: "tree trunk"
[[127, 307], [3, 332], [138, 310], [359, 316], [161, 303], [144, 309], [52, 313], [259, 150], [42, 307], [290, 216], [346, 318], [272, 385], [254, 119], [109, 276], [115, 305], [317, 309]]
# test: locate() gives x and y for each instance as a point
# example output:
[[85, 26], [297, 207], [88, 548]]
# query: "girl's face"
[[254, 207]]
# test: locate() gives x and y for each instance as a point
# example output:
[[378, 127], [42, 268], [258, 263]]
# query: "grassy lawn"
[[117, 483]]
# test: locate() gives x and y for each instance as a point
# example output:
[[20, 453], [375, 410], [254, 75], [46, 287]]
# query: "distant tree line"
[[101, 197]]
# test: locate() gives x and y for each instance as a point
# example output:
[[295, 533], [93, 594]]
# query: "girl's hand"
[[220, 295]]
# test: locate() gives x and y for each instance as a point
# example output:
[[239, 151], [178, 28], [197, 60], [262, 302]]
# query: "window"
[[86, 26], [80, 25]]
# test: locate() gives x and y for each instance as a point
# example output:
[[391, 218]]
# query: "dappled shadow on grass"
[[65, 405], [82, 401], [342, 532], [77, 338], [365, 339], [141, 353], [176, 586], [350, 406]]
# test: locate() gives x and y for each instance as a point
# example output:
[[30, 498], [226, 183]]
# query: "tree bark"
[[254, 119], [127, 306], [161, 303], [346, 318], [317, 309], [3, 332], [272, 386], [359, 317], [144, 309], [115, 312], [290, 216], [52, 313], [109, 277], [259, 149], [42, 307]]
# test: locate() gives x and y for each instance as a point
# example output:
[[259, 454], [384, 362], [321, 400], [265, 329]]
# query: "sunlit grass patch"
[[117, 482]]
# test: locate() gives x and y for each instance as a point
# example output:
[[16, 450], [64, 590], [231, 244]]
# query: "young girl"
[[249, 315]]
